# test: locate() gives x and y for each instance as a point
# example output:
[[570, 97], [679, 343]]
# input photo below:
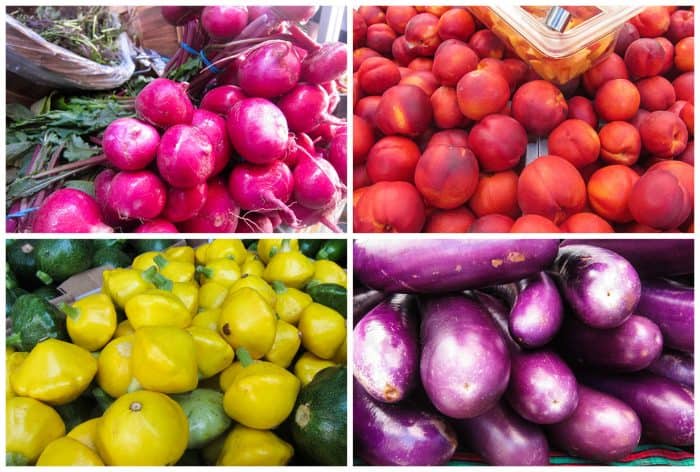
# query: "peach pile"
[[445, 115]]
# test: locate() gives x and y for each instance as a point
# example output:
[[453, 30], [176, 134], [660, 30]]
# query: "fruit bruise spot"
[[226, 329], [496, 262], [303, 415], [516, 256], [391, 393], [135, 406]]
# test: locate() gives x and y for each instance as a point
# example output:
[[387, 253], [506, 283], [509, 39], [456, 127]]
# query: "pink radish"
[[258, 130], [305, 107], [130, 144], [252, 222], [338, 154], [307, 216], [179, 15], [185, 156], [221, 99], [139, 194], [262, 188], [103, 181], [184, 203], [316, 183], [300, 14], [328, 63], [218, 215], [223, 23], [298, 144], [69, 211], [164, 103], [214, 127], [269, 70], [157, 226]]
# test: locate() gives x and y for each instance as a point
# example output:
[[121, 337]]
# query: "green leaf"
[[18, 112], [77, 149], [16, 150], [84, 185]]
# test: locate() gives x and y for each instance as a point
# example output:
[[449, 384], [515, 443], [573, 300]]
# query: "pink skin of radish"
[[214, 127], [254, 223], [326, 64], [157, 226], [301, 140], [306, 107], [69, 210], [316, 183], [269, 70], [179, 15], [103, 182], [130, 144], [136, 195], [337, 154], [184, 203], [262, 188], [221, 99], [333, 95], [224, 23], [164, 103], [300, 14], [218, 215], [258, 130], [185, 156]]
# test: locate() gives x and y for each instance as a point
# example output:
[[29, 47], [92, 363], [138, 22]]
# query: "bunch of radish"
[[262, 149]]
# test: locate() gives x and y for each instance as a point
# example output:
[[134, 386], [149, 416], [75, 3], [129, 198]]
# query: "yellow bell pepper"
[[142, 428], [222, 271], [122, 284], [213, 353], [290, 267], [246, 446], [261, 396], [55, 372], [114, 373], [286, 345], [124, 328], [247, 321], [29, 427], [12, 361], [157, 308], [290, 302], [180, 254], [212, 295], [232, 249], [188, 293], [253, 266], [68, 451], [322, 330], [308, 366], [200, 254], [173, 270], [269, 247], [91, 321], [164, 359], [86, 433], [208, 319], [257, 284], [328, 272], [229, 373], [145, 260], [341, 356]]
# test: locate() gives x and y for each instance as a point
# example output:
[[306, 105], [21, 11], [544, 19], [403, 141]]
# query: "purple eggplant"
[[650, 257], [465, 362], [629, 347], [670, 305], [501, 437], [395, 435], [363, 300], [542, 388], [602, 428], [385, 349], [499, 314], [664, 407], [601, 286], [676, 366], [445, 265]]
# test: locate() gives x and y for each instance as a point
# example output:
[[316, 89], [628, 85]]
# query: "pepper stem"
[[160, 261], [205, 271], [44, 277], [244, 356], [278, 286], [69, 310]]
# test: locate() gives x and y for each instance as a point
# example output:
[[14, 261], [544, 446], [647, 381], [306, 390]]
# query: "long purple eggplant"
[[385, 349], [602, 428], [676, 366], [601, 286], [395, 435], [498, 311], [501, 437], [629, 347], [363, 300], [445, 265], [465, 363], [651, 257], [670, 305], [664, 407]]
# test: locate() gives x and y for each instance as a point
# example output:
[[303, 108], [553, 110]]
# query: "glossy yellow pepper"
[[261, 396], [207, 319], [173, 270], [29, 426], [246, 446], [212, 295], [180, 254], [12, 361], [122, 284], [308, 366], [86, 433], [157, 308], [55, 372], [322, 330], [247, 321], [91, 321], [226, 249], [229, 373], [257, 284], [114, 373], [145, 260], [286, 345], [213, 353], [68, 451], [290, 302], [328, 272], [142, 428], [124, 328], [292, 268], [164, 359], [200, 254], [188, 293], [269, 247], [222, 271], [253, 266]]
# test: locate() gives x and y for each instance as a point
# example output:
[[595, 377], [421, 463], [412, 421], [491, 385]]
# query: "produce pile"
[[218, 354], [444, 113], [511, 348]]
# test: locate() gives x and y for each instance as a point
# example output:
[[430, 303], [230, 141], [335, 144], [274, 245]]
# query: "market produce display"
[[455, 128], [238, 136], [226, 352], [518, 351]]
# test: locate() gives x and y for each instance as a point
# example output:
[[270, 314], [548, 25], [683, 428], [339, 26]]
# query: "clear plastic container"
[[558, 56]]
